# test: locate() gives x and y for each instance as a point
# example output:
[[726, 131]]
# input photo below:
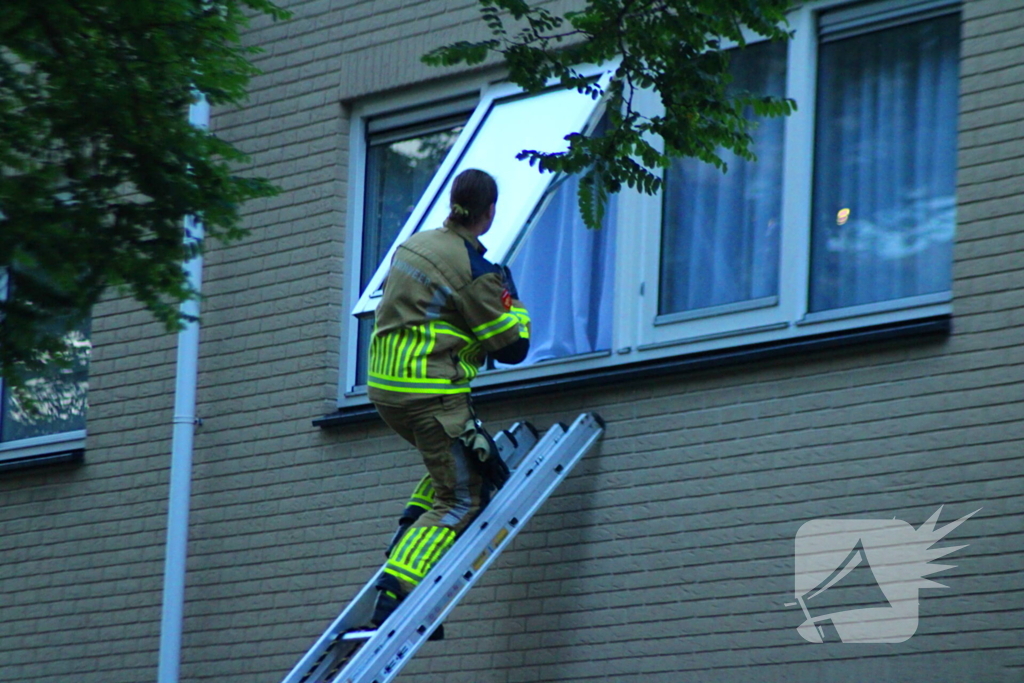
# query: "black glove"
[[494, 471]]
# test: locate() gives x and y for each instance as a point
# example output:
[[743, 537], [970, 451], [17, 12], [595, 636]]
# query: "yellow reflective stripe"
[[523, 316], [432, 341], [399, 360], [382, 353], [403, 574], [437, 541], [445, 328], [418, 367], [425, 385], [468, 368], [425, 487], [433, 381], [439, 547], [415, 562], [402, 352], [409, 362], [424, 537], [423, 496], [505, 322], [389, 346], [408, 539], [374, 352], [401, 347], [418, 551]]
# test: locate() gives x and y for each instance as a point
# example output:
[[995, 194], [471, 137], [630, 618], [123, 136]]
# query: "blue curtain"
[[720, 231], [565, 275], [885, 165]]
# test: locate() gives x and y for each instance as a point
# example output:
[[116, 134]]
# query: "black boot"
[[388, 599], [387, 602]]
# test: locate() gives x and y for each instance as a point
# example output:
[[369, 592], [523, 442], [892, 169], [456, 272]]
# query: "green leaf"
[[673, 47], [100, 163]]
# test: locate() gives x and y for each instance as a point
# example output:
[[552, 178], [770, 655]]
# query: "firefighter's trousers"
[[433, 426]]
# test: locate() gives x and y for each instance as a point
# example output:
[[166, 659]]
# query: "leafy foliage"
[[99, 164], [676, 48]]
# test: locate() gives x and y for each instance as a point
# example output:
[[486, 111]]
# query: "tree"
[[99, 165], [675, 47]]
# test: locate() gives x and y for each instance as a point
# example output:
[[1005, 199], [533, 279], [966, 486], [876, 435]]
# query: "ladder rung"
[[359, 635]]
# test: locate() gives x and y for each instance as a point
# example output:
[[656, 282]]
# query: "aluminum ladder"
[[347, 654]]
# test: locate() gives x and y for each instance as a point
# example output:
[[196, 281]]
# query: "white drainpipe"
[[181, 453]]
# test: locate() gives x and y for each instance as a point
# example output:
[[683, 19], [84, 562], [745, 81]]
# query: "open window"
[[843, 224], [408, 174]]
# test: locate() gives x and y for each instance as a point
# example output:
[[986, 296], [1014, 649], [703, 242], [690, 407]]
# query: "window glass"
[[565, 275], [720, 231], [51, 402], [399, 166], [540, 122], [397, 173], [885, 165]]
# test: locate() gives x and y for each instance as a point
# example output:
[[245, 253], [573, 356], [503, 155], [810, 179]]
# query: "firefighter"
[[444, 309]]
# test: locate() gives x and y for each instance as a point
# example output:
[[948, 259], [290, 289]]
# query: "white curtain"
[[565, 275], [720, 231], [885, 165]]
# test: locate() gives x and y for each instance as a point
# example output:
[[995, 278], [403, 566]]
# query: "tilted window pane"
[[52, 402], [503, 128], [885, 165], [720, 231], [397, 173], [538, 122], [565, 274]]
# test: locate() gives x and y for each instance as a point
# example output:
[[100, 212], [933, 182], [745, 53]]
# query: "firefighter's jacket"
[[444, 308]]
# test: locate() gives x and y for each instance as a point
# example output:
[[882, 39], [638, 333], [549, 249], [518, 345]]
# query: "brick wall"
[[668, 555], [81, 547]]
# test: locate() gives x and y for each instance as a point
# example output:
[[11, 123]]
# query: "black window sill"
[[33, 461], [604, 377]]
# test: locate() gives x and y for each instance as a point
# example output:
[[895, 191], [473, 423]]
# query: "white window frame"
[[49, 444], [639, 335]]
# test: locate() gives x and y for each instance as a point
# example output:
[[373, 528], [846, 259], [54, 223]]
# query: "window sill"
[[44, 450], [930, 327]]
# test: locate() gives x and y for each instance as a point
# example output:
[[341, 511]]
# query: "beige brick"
[[666, 555]]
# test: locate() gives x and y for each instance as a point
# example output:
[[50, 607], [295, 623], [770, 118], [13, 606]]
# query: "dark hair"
[[473, 192]]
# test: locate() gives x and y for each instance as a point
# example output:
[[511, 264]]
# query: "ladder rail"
[[513, 445], [554, 456], [579, 444]]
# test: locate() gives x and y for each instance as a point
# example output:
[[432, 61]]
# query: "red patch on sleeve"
[[506, 300]]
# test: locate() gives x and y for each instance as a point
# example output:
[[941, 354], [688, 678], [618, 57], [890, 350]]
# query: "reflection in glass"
[[720, 231], [53, 401], [397, 173], [538, 122], [885, 165]]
